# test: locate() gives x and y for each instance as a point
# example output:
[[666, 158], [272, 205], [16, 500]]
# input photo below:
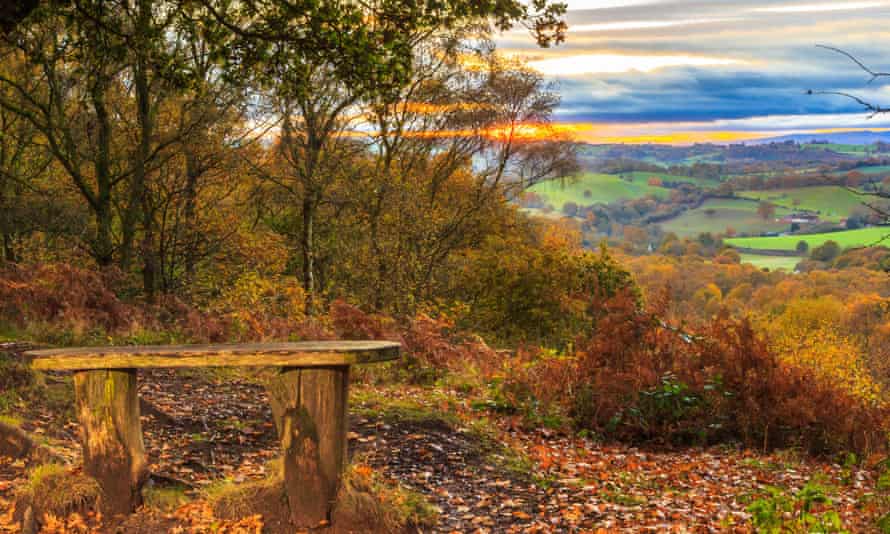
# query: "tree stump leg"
[[309, 406], [107, 406]]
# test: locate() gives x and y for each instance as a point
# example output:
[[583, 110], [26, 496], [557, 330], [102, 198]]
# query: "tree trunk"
[[139, 195], [307, 246], [107, 406], [193, 170], [309, 407], [104, 246]]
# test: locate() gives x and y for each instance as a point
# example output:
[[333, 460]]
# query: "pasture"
[[593, 188], [831, 202], [846, 239], [718, 214], [773, 263]]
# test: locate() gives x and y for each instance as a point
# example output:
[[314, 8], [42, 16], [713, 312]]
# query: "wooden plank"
[[300, 354]]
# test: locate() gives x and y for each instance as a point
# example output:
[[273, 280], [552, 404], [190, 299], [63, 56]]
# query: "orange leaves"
[[363, 471], [543, 456], [198, 518], [7, 518]]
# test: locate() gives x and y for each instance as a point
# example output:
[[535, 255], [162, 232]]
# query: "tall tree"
[[317, 60]]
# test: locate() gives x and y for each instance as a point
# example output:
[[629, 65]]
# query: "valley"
[[763, 199]]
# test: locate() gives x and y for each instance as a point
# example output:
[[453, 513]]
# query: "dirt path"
[[203, 427]]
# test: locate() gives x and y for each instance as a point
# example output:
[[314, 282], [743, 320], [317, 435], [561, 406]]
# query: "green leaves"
[[368, 45], [808, 510]]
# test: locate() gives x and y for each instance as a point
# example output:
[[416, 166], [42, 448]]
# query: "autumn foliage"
[[636, 378]]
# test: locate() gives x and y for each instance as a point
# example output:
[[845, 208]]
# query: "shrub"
[[63, 295], [807, 510], [827, 252], [637, 379], [539, 293]]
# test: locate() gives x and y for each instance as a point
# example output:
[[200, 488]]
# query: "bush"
[[827, 252], [637, 379], [534, 292]]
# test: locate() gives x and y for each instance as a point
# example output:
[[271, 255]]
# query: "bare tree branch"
[[874, 74], [874, 109]]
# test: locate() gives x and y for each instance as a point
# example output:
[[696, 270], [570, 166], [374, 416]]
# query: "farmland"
[[644, 177], [716, 215], [832, 203], [773, 263], [593, 188], [846, 239]]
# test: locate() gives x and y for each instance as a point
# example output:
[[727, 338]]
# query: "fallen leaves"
[[559, 483]]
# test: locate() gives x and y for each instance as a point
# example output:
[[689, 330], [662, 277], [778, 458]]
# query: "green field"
[[846, 239], [874, 169], [602, 188], [645, 176], [773, 263], [741, 215], [831, 202], [840, 148]]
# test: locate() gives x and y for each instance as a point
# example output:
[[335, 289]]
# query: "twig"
[[874, 75], [875, 110]]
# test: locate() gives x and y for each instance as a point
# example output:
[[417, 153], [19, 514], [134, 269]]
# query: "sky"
[[683, 71]]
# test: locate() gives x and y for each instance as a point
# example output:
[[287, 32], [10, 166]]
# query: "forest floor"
[[481, 470]]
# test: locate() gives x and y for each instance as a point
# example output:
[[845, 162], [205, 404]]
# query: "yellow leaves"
[[807, 334], [254, 297], [198, 518]]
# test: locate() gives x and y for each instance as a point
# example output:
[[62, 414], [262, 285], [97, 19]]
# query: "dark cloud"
[[775, 56]]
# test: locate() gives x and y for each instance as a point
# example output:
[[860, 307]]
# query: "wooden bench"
[[308, 395]]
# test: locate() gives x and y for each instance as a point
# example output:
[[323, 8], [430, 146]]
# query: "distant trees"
[[802, 247], [766, 210], [570, 209], [828, 251]]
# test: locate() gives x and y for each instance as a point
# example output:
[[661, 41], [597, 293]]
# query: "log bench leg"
[[107, 406], [309, 407]]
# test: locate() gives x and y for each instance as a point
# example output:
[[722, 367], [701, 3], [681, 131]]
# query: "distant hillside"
[[846, 138]]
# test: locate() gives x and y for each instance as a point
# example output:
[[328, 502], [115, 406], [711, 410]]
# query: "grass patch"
[[665, 177], [592, 188], [846, 239], [372, 403], [773, 263], [831, 202], [51, 489], [717, 214], [165, 499], [231, 500]]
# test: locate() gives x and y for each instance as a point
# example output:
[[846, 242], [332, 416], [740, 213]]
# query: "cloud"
[[615, 63], [641, 25], [581, 5], [694, 62], [821, 7]]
